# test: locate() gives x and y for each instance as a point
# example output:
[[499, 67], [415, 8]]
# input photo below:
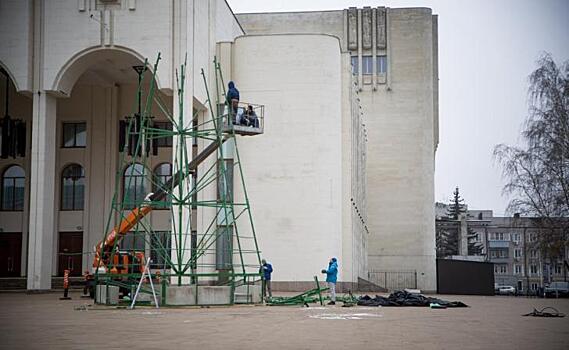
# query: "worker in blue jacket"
[[267, 269], [331, 278], [233, 99]]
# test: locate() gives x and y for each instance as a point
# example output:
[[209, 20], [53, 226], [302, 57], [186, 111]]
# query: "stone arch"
[[83, 60], [10, 75]]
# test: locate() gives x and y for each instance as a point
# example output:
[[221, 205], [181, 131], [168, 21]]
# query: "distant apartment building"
[[511, 244]]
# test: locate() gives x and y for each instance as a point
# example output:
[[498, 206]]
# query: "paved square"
[[44, 322]]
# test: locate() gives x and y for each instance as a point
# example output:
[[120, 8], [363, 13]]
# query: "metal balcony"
[[499, 244], [242, 122]]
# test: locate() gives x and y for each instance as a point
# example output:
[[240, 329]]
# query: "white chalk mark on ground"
[[153, 313], [356, 316]]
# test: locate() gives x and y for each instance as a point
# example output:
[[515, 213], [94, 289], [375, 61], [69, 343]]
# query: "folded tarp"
[[403, 298]]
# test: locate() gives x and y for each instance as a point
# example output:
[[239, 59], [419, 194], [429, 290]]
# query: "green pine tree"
[[456, 206], [474, 248]]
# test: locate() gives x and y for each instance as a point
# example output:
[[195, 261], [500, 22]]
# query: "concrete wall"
[[319, 22], [95, 25], [400, 169], [354, 144], [16, 27], [401, 123], [294, 170]]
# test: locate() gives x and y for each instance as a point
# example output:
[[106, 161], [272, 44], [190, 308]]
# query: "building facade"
[[393, 54], [348, 147]]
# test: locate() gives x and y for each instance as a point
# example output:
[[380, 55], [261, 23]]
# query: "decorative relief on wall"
[[381, 28], [352, 28], [366, 28]]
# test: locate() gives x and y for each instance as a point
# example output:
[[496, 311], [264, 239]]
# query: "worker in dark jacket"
[[233, 99], [250, 118], [267, 269], [331, 277]]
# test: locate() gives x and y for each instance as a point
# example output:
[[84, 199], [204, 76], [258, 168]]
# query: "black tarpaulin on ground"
[[403, 298]]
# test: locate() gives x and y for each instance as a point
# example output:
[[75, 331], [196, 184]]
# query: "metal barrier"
[[394, 280]]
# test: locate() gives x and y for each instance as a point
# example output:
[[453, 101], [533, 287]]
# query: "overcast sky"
[[487, 49]]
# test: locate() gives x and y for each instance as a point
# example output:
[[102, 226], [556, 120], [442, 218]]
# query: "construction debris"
[[543, 313], [310, 296], [403, 298], [82, 307]]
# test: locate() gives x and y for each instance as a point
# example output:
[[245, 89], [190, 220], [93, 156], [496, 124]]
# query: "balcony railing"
[[247, 119], [499, 244]]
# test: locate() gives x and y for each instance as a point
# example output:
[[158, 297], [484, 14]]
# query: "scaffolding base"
[[206, 295]]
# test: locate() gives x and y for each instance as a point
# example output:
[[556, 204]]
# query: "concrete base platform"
[[206, 295], [108, 295], [248, 294]]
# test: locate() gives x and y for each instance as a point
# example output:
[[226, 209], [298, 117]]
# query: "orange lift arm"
[[103, 248]]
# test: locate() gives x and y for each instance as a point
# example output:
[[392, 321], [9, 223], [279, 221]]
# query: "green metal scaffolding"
[[223, 249]]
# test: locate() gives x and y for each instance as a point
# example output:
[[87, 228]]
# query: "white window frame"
[[381, 64], [354, 60], [367, 65]]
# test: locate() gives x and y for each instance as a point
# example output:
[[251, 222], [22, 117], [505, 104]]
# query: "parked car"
[[506, 290], [555, 289]]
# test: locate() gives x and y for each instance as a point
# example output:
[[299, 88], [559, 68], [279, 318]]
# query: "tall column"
[[42, 192]]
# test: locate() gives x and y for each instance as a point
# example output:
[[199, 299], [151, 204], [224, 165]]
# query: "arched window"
[[13, 188], [162, 173], [135, 185], [72, 187]]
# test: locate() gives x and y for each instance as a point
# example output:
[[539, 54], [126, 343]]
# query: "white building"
[[344, 168]]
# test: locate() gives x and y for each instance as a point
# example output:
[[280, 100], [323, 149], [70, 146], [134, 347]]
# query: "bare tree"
[[537, 173]]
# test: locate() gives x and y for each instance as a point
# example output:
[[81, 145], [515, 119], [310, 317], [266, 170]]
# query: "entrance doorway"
[[70, 253], [10, 254]]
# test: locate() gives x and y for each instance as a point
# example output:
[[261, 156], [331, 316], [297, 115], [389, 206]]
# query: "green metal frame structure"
[[220, 254]]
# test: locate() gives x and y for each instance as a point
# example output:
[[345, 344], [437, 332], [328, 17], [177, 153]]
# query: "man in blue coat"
[[233, 99], [331, 278], [267, 269]]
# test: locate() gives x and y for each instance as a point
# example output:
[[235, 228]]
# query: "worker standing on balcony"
[[233, 99]]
